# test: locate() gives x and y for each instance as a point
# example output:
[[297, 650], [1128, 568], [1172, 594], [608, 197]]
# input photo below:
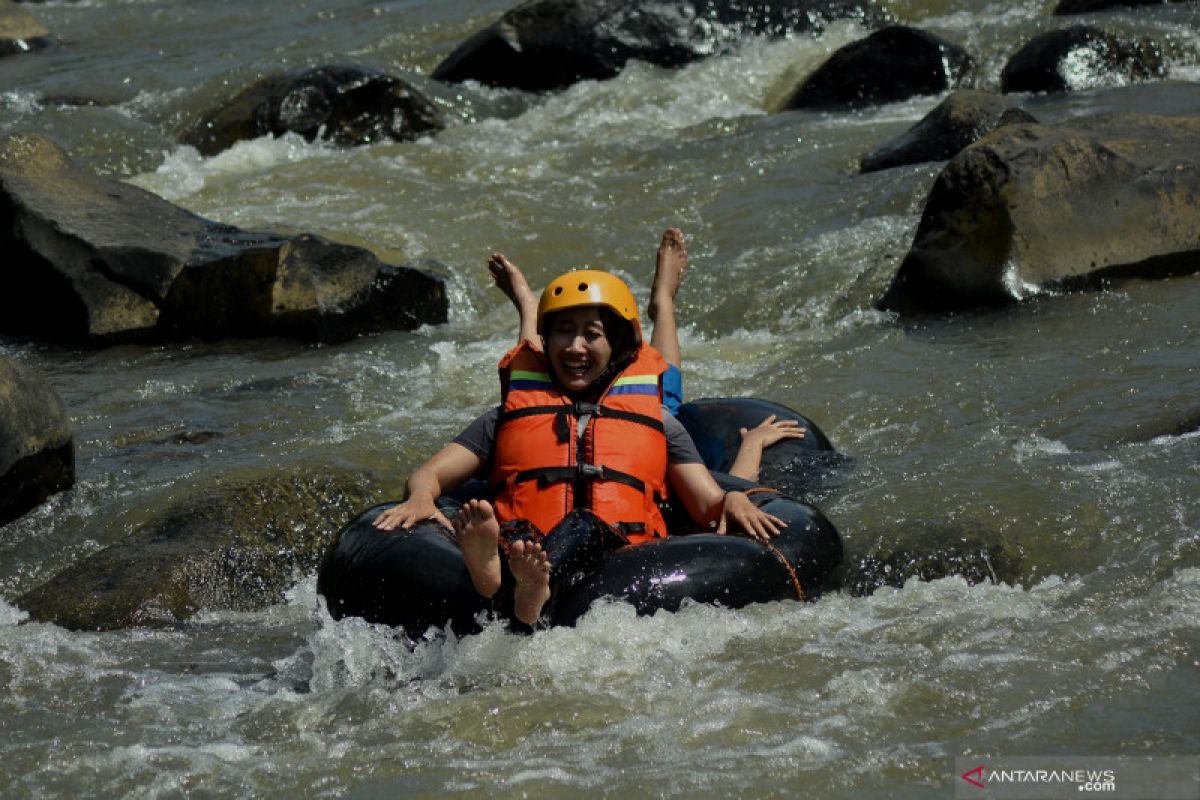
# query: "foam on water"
[[184, 172], [10, 615]]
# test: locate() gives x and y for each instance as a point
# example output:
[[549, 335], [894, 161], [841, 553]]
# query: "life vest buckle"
[[589, 471], [586, 409]]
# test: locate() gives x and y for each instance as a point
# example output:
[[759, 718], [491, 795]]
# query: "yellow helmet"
[[590, 287]]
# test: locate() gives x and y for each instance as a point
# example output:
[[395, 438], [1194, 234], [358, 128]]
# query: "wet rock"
[[1070, 206], [927, 552], [347, 105], [1178, 417], [37, 451], [1086, 6], [543, 45], [1081, 57], [236, 546], [958, 121], [19, 31], [890, 65], [97, 261]]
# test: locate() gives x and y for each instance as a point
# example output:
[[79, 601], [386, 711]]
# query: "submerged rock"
[[890, 65], [958, 121], [237, 546], [1081, 57], [37, 451], [20, 32], [928, 552], [94, 260], [347, 105], [1085, 6], [1071, 206], [543, 45]]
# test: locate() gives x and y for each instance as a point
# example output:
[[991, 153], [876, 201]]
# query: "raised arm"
[[447, 470]]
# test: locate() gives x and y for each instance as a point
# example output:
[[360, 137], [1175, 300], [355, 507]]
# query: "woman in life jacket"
[[579, 442], [670, 263]]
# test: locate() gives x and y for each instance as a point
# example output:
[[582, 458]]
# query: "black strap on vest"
[[579, 472]]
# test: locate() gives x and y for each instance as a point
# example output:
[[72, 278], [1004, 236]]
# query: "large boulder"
[[19, 31], [890, 65], [95, 260], [543, 45], [957, 122], [1074, 205], [37, 451], [233, 546], [347, 105], [1087, 6], [1081, 57]]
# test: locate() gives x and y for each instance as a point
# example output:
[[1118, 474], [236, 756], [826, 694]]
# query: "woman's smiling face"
[[578, 346]]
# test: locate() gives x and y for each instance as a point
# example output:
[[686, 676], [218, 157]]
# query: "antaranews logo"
[[1073, 777], [974, 776]]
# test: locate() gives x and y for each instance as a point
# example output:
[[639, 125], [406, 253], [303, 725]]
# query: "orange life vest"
[[542, 468]]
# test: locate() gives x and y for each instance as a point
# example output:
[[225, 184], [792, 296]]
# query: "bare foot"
[[669, 266], [531, 567], [479, 538]]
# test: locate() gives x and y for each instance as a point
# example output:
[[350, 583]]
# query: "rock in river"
[[549, 44], [37, 451], [1088, 6], [237, 545], [98, 261], [890, 65], [958, 121], [1081, 57], [348, 105], [1073, 205], [19, 31]]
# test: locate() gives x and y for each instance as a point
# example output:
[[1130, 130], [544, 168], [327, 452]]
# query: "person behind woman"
[[580, 430], [670, 263]]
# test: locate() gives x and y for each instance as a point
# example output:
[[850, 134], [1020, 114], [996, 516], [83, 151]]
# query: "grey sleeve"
[[480, 435], [680, 447]]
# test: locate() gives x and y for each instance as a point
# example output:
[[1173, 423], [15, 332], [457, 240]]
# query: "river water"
[[1049, 428]]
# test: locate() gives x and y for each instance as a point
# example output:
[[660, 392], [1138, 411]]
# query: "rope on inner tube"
[[775, 550], [791, 572]]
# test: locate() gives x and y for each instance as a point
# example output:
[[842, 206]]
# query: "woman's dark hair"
[[621, 336]]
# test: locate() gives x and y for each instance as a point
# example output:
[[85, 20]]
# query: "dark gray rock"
[[890, 65], [1070, 206], [958, 121], [1081, 57], [20, 32], [235, 546], [348, 105], [1087, 6], [543, 45], [929, 551], [37, 451], [97, 261]]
